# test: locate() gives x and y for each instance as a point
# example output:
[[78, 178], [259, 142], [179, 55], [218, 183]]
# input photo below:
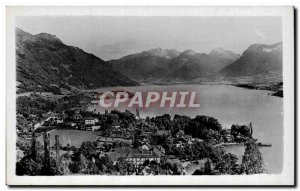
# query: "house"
[[116, 125], [146, 146], [114, 156], [77, 116], [146, 134], [72, 124], [163, 132], [95, 127], [90, 121], [139, 156], [228, 138], [59, 120]]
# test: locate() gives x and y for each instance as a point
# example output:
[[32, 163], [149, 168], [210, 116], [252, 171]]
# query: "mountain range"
[[45, 63], [164, 63], [187, 65]]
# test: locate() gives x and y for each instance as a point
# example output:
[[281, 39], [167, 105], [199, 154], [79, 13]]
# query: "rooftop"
[[142, 153]]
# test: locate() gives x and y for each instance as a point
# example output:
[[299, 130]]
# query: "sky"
[[115, 37]]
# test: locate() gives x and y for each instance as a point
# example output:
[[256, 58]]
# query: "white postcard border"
[[285, 178]]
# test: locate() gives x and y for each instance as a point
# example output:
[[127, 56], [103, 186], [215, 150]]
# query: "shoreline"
[[274, 91]]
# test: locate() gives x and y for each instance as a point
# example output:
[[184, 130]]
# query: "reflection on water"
[[231, 105]]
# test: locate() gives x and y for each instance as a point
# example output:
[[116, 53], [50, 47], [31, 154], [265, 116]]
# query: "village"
[[152, 146]]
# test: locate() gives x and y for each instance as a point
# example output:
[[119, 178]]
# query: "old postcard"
[[150, 96]]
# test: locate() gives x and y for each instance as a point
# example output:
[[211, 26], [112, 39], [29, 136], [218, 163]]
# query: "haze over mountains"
[[45, 63]]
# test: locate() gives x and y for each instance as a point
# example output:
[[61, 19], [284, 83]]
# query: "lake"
[[71, 137], [230, 105]]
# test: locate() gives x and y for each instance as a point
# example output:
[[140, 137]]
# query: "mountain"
[[147, 64], [45, 63], [165, 53], [257, 59], [222, 58], [190, 64], [171, 64]]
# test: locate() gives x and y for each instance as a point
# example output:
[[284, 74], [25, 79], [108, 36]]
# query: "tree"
[[154, 167], [105, 164], [81, 165], [207, 167], [200, 126], [88, 149], [53, 169], [146, 163], [122, 165], [227, 165], [27, 166], [131, 168], [92, 168], [136, 139], [177, 169], [63, 167], [148, 119], [243, 130], [75, 166], [252, 160]]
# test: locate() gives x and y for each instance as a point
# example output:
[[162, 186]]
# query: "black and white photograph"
[[157, 96]]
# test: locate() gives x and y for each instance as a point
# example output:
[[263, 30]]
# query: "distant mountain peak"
[[158, 49], [166, 53], [218, 50], [257, 59], [263, 48], [226, 56], [189, 52], [221, 51]]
